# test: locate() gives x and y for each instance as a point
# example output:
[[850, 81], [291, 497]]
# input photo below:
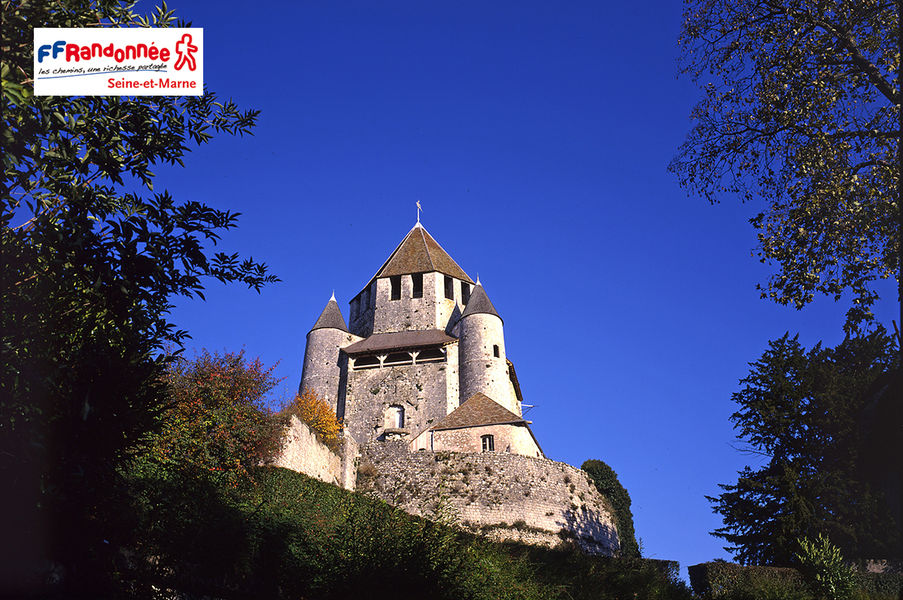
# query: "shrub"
[[606, 481], [316, 413], [216, 422], [879, 586], [569, 574], [731, 581], [824, 568], [280, 534]]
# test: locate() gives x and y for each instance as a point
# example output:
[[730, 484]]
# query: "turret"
[[323, 368], [482, 361]]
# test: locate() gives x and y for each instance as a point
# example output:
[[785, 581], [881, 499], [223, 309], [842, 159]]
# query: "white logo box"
[[119, 61]]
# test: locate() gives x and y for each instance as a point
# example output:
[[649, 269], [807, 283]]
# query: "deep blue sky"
[[537, 138]]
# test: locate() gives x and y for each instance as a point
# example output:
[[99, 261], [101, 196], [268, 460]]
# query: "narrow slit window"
[[449, 288], [465, 293], [495, 350], [488, 442], [417, 285], [395, 282]]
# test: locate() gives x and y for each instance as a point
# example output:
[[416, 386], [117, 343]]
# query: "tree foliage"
[[217, 421], [606, 481], [801, 110], [802, 412], [91, 254], [317, 413]]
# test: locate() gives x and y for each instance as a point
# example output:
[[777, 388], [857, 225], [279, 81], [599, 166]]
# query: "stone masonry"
[[303, 452], [503, 496]]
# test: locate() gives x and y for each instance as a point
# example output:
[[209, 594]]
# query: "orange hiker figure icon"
[[185, 49]]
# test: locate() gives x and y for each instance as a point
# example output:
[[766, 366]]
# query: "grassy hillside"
[[281, 534]]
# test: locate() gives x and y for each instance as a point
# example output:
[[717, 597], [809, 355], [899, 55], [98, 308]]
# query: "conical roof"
[[418, 252], [479, 303], [331, 317]]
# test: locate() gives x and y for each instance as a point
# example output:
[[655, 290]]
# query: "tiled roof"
[[418, 252], [478, 410], [400, 339], [331, 317], [479, 303]]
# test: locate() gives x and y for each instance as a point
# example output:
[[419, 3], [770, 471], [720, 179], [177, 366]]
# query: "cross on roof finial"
[[419, 208]]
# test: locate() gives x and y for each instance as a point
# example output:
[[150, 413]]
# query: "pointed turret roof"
[[479, 302], [331, 317], [418, 252]]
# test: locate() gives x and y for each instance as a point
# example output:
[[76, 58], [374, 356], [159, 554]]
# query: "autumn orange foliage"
[[217, 420], [317, 413]]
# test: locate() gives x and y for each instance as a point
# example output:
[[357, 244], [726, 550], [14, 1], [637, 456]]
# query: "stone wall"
[[362, 308], [420, 389], [303, 452], [407, 313], [502, 496], [514, 439], [452, 398], [448, 310], [433, 311]]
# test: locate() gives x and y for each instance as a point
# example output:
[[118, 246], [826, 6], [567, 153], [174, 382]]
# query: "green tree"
[[217, 422], [802, 413], [802, 109], [191, 473], [88, 268], [606, 481]]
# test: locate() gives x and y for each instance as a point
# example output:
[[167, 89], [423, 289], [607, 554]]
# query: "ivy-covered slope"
[[281, 534]]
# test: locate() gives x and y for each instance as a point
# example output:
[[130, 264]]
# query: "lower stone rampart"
[[502, 496], [303, 452]]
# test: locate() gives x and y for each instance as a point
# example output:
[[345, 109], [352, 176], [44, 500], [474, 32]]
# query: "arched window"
[[488, 442], [395, 417]]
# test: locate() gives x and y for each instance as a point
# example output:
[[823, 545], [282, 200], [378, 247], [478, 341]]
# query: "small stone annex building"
[[423, 359], [431, 408]]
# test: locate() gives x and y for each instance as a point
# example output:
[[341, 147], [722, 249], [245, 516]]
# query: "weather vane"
[[419, 208]]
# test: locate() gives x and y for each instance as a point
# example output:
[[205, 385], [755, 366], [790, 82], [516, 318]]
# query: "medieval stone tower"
[[432, 408], [423, 359]]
